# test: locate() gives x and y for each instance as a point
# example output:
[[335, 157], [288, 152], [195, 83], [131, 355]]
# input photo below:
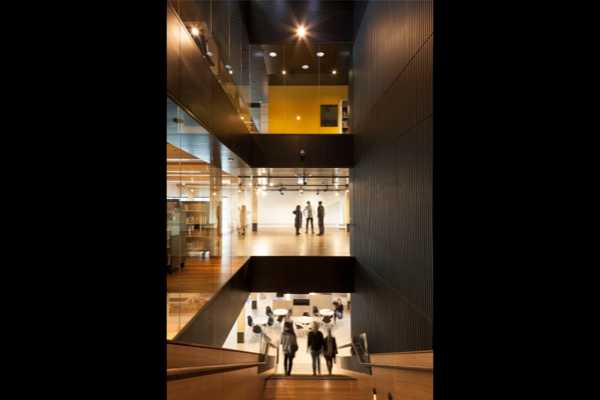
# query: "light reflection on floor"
[[284, 242]]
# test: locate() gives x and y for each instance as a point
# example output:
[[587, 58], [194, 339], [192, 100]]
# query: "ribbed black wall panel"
[[391, 94]]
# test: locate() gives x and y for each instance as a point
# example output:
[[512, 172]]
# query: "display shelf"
[[344, 116]]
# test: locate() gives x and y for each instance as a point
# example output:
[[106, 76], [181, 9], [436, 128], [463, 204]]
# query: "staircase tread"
[[312, 377]]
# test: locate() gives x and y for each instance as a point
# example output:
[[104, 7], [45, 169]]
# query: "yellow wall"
[[286, 102]]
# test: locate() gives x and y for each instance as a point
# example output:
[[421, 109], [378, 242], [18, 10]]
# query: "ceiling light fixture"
[[273, 54], [334, 72], [195, 31], [320, 54], [227, 66], [305, 67], [283, 72], [297, 118], [230, 72], [301, 31]]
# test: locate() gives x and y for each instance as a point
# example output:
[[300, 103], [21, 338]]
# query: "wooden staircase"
[[309, 387]]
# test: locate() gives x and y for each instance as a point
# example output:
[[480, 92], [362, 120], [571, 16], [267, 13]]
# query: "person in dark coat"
[[298, 219], [315, 345], [289, 345], [330, 350], [321, 218]]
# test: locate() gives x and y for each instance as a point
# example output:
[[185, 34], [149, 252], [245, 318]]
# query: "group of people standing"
[[308, 213], [316, 344]]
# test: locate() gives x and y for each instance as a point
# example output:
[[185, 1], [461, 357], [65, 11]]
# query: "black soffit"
[[273, 21], [291, 57]]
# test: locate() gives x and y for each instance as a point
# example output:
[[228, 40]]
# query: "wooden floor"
[[201, 278], [285, 242], [312, 389], [196, 284], [204, 276]]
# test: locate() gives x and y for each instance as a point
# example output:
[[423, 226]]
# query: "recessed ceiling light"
[[297, 118], [230, 72], [273, 54], [283, 72], [334, 72], [305, 66], [227, 66], [320, 54], [195, 31], [301, 31]]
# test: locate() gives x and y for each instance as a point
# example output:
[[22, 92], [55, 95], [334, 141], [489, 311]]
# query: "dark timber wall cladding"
[[301, 274], [283, 151], [391, 94]]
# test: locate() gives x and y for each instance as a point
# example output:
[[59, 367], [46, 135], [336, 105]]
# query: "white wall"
[[276, 210]]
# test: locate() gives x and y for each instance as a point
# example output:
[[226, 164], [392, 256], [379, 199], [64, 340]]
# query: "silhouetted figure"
[[289, 346], [298, 219], [243, 223], [321, 218], [315, 345], [338, 310], [330, 350], [309, 217]]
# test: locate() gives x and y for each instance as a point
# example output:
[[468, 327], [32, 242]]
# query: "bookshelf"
[[198, 232], [344, 116], [175, 229]]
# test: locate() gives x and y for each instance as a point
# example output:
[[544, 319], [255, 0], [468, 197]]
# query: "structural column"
[[255, 209], [347, 210]]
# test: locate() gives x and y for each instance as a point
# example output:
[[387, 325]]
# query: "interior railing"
[[265, 362], [360, 360]]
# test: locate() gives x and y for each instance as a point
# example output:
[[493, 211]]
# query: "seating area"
[[266, 313]]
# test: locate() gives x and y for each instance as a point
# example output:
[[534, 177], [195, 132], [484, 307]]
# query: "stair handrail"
[[190, 372], [371, 365]]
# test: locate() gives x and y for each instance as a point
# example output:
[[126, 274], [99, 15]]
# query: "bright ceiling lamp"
[[283, 72], [320, 54], [305, 66], [195, 31], [273, 54], [301, 31], [334, 72]]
